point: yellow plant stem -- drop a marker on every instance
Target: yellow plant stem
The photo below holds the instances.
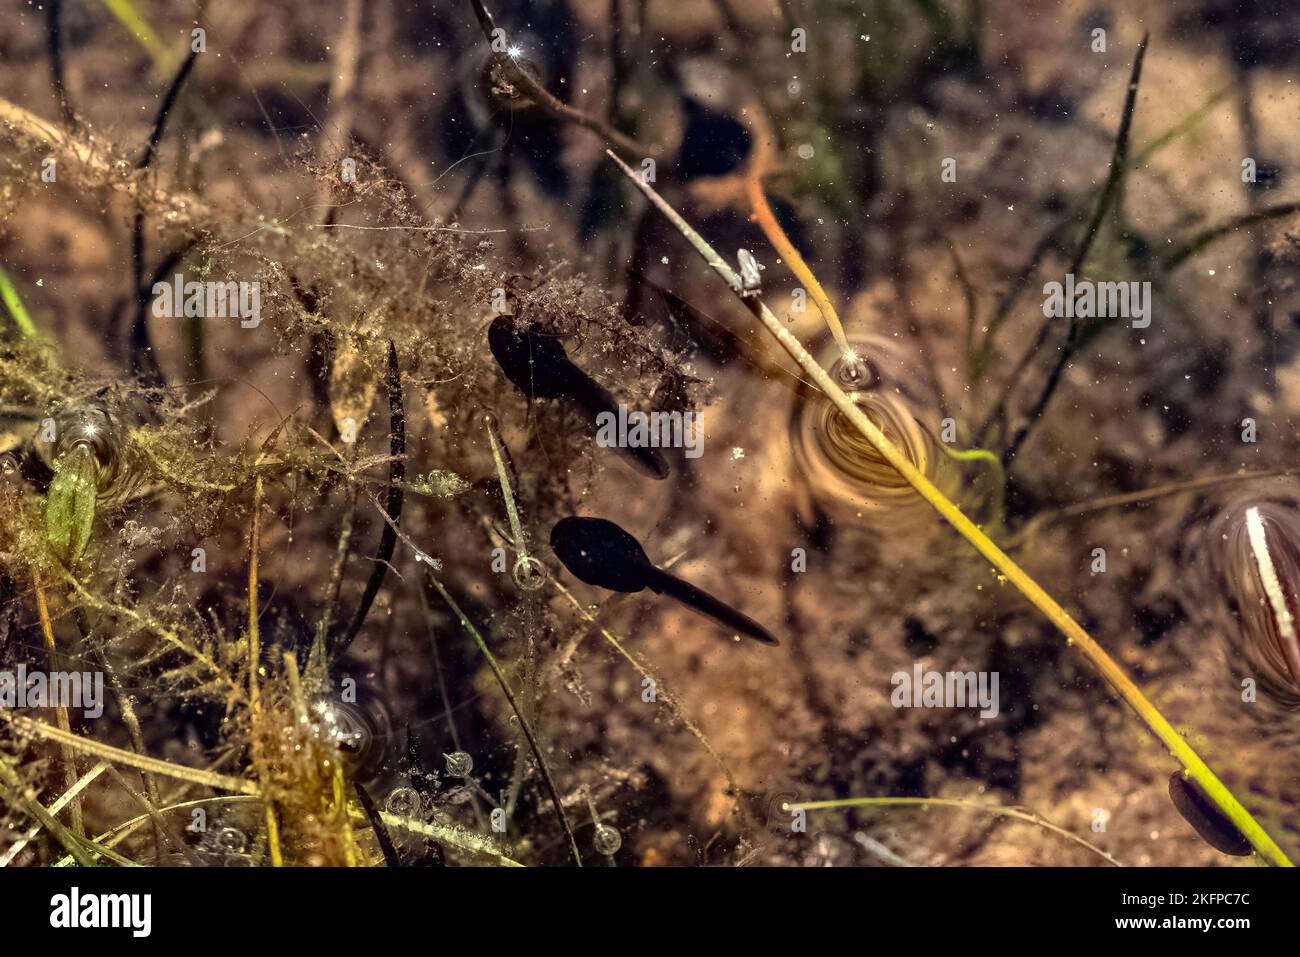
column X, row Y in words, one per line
column 766, row 220
column 107, row 752
column 61, row 715
column 1195, row 768
column 254, row 656
column 254, row 635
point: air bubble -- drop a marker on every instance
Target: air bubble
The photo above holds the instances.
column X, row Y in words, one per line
column 529, row 573
column 459, row 764
column 404, row 802
column 232, row 840
column 607, row 840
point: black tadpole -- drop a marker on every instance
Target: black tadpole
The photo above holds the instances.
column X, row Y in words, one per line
column 541, row 369
column 601, row 553
column 1214, row 827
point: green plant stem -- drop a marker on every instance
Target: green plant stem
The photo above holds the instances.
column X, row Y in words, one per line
column 14, row 303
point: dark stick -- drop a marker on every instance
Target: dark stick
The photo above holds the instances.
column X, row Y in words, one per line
column 393, row 508
column 377, row 824
column 543, row 97
column 160, row 121
column 1108, row 195
column 54, row 34
column 144, row 364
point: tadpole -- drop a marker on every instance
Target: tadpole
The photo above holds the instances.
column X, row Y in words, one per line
column 1209, row 822
column 600, row 553
column 540, row 368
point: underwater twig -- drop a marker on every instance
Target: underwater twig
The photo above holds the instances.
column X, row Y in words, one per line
column 529, row 573
column 1109, row 193
column 1040, row 599
column 393, row 507
column 999, row 810
column 524, row 724
column 459, row 837
column 126, row 707
column 543, row 97
column 120, row 832
column 443, row 694
column 335, row 587
column 336, row 131
column 974, row 364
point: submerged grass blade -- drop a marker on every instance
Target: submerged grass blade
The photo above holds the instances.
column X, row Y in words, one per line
column 14, row 303
column 107, row 752
column 998, row 810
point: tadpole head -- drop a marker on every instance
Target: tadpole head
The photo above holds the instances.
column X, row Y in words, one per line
column 536, row 364
column 600, row 553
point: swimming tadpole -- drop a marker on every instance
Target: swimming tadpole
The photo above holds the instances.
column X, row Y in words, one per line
column 539, row 367
column 1206, row 819
column 600, row 553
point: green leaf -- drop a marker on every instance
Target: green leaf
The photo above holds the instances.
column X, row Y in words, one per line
column 70, row 505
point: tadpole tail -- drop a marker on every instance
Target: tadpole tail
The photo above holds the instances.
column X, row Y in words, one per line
column 595, row 399
column 660, row 581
